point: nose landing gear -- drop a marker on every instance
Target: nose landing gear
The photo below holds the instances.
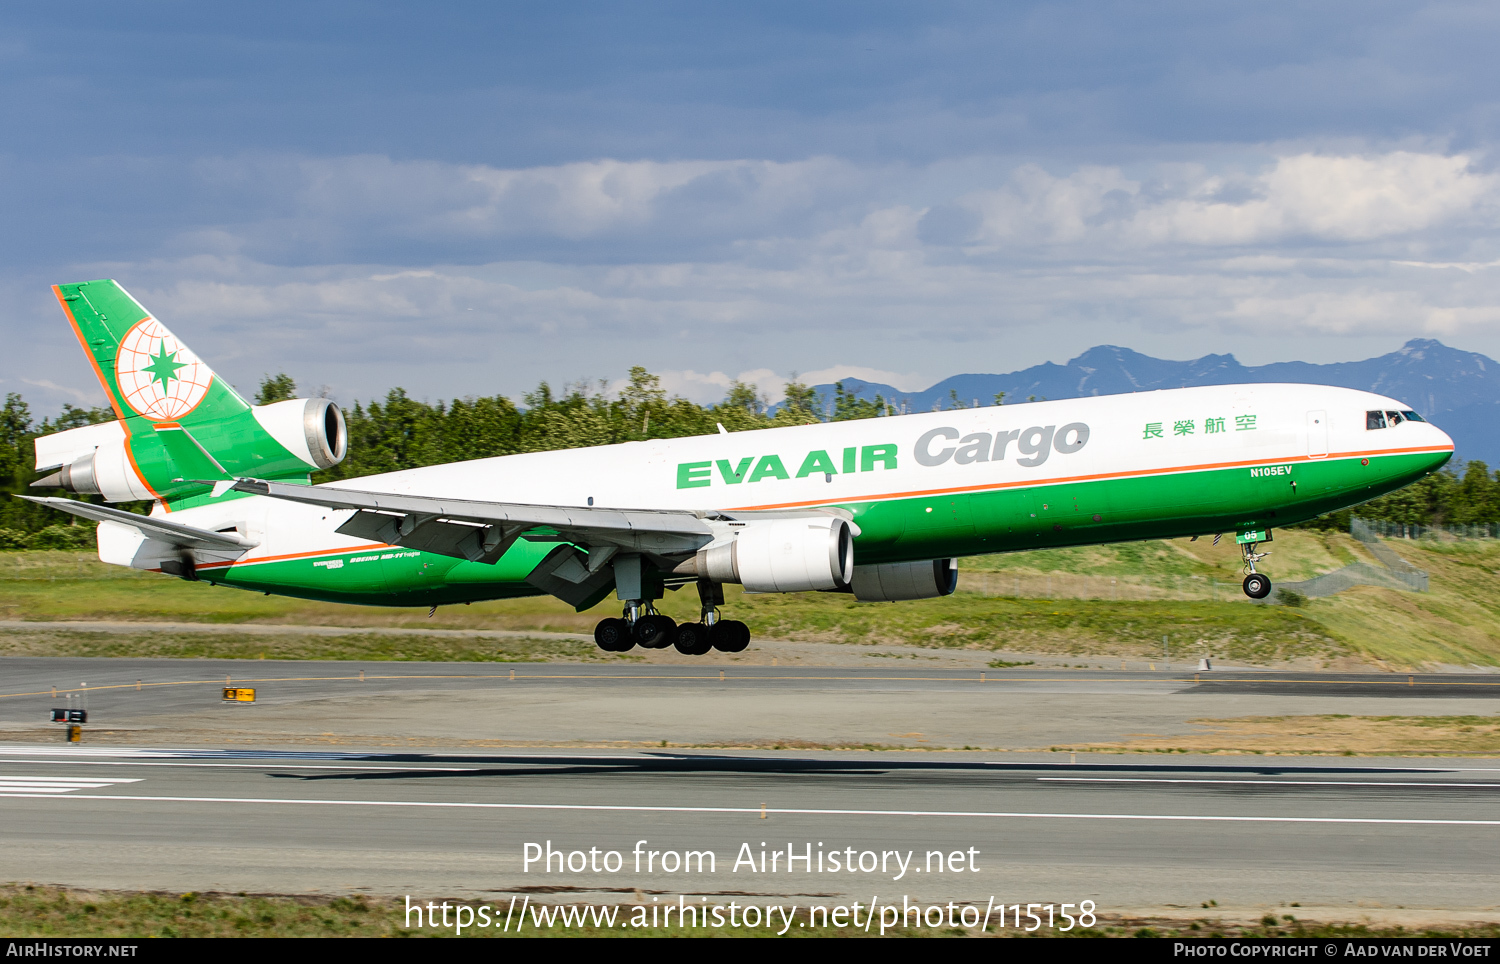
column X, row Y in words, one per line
column 1257, row 585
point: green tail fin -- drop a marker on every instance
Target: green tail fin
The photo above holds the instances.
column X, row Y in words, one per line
column 182, row 421
column 148, row 373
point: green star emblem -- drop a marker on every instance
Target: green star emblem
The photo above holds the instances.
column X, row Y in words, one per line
column 163, row 367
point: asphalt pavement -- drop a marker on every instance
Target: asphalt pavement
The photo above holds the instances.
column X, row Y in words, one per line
column 440, row 780
column 1132, row 834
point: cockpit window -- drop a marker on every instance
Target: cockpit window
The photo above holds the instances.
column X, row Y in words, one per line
column 1393, row 419
column 1412, row 417
column 1374, row 420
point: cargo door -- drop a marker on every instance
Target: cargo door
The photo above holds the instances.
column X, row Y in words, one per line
column 1007, row 518
column 940, row 515
column 941, row 525
column 1317, row 435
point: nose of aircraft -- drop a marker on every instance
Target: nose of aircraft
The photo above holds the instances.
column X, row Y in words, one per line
column 1440, row 458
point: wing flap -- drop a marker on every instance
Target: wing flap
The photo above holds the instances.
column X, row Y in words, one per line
column 482, row 531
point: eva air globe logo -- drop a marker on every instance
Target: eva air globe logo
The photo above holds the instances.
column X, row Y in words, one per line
column 158, row 376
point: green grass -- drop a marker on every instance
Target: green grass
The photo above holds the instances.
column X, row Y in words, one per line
column 1332, row 734
column 362, row 646
column 964, row 621
column 1458, row 622
column 29, row 911
column 76, row 585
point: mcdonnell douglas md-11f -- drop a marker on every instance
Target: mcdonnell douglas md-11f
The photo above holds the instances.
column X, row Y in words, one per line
column 880, row 508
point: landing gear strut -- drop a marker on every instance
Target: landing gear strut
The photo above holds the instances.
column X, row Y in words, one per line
column 641, row 625
column 1257, row 585
column 711, row 632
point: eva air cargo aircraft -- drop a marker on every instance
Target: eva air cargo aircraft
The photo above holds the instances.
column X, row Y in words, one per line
column 880, row 508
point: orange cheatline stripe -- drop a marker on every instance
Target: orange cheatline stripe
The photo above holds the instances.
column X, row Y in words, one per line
column 993, row 487
column 113, row 402
column 89, row 354
column 918, row 493
column 299, row 555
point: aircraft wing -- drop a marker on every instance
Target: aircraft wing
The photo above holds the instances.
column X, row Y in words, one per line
column 483, row 531
column 163, row 530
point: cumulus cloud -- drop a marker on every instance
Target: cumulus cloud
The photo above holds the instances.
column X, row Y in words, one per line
column 1303, row 196
column 338, row 206
column 822, row 266
column 1327, row 198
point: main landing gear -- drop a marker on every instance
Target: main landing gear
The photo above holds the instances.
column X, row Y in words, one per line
column 641, row 625
column 1257, row 585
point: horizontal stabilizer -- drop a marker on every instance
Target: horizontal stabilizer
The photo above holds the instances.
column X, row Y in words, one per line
column 58, row 449
column 189, row 537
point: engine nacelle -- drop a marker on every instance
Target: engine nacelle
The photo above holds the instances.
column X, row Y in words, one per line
column 898, row 581
column 312, row 429
column 105, row 471
column 800, row 554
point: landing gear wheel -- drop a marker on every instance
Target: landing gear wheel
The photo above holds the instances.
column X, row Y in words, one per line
column 613, row 636
column 655, row 632
column 693, row 639
column 1257, row 586
column 730, row 636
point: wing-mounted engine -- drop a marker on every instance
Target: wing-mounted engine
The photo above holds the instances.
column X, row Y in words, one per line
column 800, row 553
column 900, row 581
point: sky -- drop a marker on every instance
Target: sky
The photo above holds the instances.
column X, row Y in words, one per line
column 471, row 198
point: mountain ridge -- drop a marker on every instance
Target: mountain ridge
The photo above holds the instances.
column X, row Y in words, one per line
column 1457, row 390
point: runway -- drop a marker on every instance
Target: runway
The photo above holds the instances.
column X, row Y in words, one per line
column 1125, row 833
column 358, row 705
column 433, row 779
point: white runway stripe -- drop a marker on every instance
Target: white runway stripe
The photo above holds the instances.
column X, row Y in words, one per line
column 241, row 766
column 10, row 785
column 1267, row 783
column 994, row 814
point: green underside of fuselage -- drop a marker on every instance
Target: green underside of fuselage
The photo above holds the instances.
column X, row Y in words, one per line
column 960, row 524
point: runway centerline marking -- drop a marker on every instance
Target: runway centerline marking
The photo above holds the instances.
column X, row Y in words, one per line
column 1269, row 783
column 787, row 811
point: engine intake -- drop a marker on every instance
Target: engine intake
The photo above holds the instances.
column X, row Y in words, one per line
column 782, row 555
column 898, row 581
column 312, row 429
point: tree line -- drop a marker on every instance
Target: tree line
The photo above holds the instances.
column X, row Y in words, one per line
column 401, row 432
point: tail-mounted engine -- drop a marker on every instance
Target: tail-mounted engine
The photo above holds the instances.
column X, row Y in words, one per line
column 312, row 429
column 104, row 471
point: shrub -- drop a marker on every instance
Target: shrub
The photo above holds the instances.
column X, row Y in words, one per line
column 62, row 537
column 1290, row 597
